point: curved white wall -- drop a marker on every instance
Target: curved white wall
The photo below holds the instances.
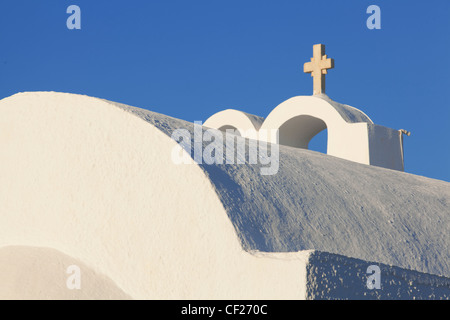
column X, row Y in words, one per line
column 234, row 119
column 42, row 273
column 96, row 183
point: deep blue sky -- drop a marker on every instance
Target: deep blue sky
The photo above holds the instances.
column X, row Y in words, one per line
column 190, row 59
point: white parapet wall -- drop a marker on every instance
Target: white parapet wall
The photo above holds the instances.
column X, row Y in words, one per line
column 385, row 145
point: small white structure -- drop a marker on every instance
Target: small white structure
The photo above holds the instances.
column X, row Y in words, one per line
column 351, row 133
column 236, row 120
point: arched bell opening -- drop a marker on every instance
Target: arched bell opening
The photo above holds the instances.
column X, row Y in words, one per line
column 300, row 130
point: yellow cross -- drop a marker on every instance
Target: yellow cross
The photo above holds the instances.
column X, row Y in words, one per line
column 318, row 67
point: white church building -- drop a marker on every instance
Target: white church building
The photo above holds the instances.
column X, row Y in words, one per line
column 92, row 205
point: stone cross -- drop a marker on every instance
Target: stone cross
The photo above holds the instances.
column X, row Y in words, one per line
column 318, row 67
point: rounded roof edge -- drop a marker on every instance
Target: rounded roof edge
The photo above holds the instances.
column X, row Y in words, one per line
column 348, row 113
column 235, row 118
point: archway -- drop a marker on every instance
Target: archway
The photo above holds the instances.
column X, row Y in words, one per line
column 298, row 131
column 319, row 142
column 229, row 127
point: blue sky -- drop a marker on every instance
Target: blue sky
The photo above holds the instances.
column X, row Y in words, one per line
column 190, row 59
